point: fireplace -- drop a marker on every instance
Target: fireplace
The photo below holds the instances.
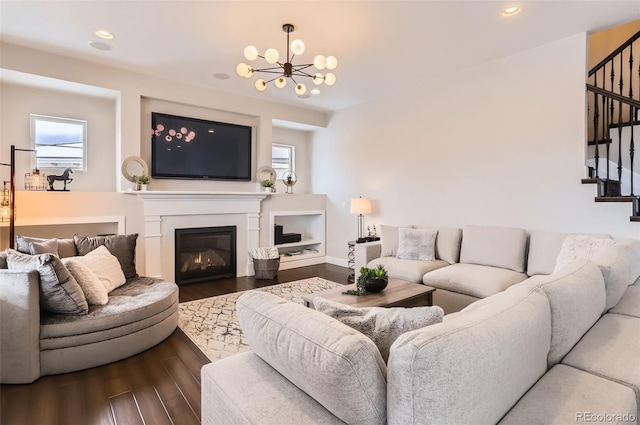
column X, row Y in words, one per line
column 205, row 253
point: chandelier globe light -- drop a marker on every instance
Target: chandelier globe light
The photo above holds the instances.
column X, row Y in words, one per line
column 286, row 69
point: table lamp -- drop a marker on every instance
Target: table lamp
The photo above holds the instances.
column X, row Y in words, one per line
column 361, row 206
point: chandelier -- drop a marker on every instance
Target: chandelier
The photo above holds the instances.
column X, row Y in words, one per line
column 287, row 69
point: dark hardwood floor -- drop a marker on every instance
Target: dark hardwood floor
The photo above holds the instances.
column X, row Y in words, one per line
column 158, row 386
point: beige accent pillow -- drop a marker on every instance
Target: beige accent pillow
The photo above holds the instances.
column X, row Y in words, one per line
column 382, row 325
column 580, row 247
column 417, row 244
column 93, row 288
column 105, row 266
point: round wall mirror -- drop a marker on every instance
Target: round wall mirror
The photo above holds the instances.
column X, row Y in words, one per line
column 266, row 173
column 134, row 166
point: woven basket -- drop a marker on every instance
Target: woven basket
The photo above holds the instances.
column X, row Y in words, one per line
column 266, row 268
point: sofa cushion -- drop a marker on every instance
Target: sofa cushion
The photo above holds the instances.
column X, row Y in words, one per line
column 389, row 240
column 579, row 247
column 66, row 246
column 417, row 244
column 565, row 395
column 140, row 298
column 59, row 291
column 123, row 247
column 629, row 304
column 473, row 367
column 544, row 248
column 244, row 390
column 502, row 247
column 47, row 247
column 577, row 296
column 333, row 363
column 93, row 289
column 632, row 248
column 610, row 349
column 382, row 325
column 411, row 270
column 105, row 266
column 471, row 279
column 615, row 266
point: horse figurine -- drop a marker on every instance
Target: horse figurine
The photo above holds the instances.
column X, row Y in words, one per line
column 62, row 177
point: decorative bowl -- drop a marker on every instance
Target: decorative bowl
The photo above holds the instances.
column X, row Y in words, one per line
column 375, row 285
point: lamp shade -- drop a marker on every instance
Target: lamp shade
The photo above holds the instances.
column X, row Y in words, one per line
column 361, row 206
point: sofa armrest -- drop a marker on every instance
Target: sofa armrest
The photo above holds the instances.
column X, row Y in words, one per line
column 366, row 252
column 19, row 327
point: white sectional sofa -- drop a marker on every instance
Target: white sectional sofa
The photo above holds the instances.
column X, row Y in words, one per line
column 548, row 350
column 479, row 261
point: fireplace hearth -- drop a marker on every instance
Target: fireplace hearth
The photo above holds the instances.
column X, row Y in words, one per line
column 205, row 253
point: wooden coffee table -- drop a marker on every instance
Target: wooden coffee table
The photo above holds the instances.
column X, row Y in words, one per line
column 398, row 293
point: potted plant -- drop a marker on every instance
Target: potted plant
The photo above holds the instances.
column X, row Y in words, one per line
column 267, row 185
column 141, row 182
column 370, row 280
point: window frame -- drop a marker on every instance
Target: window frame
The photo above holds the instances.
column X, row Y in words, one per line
column 292, row 159
column 34, row 118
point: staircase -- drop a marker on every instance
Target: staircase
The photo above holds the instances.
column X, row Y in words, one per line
column 613, row 99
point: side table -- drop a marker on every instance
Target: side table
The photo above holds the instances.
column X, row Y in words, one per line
column 351, row 261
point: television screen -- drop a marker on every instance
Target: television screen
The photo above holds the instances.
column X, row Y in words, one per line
column 191, row 148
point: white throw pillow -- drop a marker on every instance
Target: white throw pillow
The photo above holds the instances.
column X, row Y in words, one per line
column 94, row 290
column 104, row 265
column 382, row 325
column 580, row 247
column 417, row 244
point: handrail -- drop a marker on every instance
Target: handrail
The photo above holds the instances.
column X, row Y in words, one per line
column 613, row 95
column 614, row 53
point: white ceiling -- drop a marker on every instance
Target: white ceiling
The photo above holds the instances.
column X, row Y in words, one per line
column 382, row 46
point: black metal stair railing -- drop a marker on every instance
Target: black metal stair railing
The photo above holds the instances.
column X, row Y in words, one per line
column 613, row 89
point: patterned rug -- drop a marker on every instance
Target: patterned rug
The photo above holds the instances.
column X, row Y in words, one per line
column 212, row 323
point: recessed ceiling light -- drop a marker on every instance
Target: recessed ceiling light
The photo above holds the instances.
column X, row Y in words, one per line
column 104, row 34
column 315, row 91
column 100, row 45
column 510, row 11
column 221, row 76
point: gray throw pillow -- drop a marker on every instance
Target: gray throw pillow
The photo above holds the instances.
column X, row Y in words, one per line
column 382, row 325
column 417, row 244
column 59, row 291
column 66, row 246
column 3, row 259
column 123, row 247
column 47, row 247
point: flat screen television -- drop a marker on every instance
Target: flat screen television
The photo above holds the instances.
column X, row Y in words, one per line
column 191, row 148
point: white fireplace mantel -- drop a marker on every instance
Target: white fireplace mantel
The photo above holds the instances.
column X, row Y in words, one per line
column 164, row 211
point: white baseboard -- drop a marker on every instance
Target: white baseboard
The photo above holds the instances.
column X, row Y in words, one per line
column 337, row 261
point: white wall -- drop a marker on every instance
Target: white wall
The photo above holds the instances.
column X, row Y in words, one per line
column 301, row 140
column 133, row 95
column 18, row 102
column 500, row 144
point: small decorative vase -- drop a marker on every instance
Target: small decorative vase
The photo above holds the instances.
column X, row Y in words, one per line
column 266, row 189
column 375, row 285
column 143, row 187
column 136, row 186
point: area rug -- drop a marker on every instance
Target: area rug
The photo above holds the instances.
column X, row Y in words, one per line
column 212, row 323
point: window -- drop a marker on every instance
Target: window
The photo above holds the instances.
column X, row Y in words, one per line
column 59, row 142
column 283, row 158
